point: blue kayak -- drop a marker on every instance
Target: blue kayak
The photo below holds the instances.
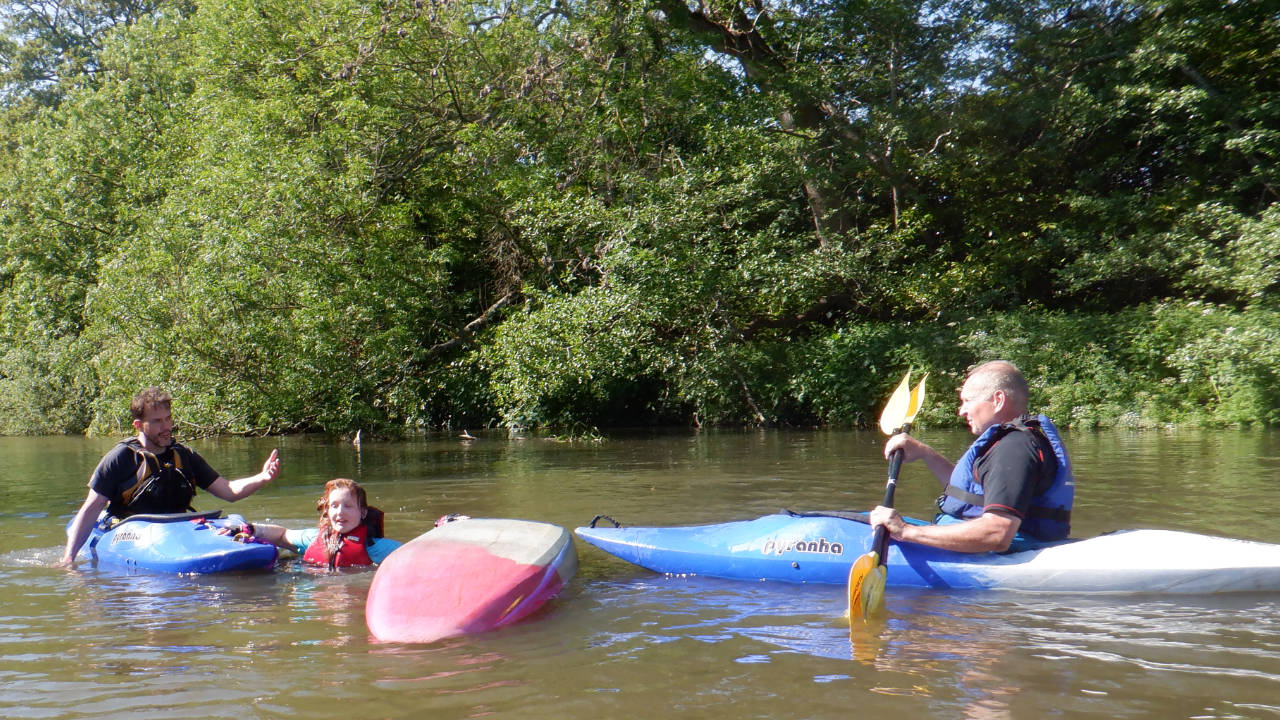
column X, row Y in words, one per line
column 177, row 543
column 820, row 548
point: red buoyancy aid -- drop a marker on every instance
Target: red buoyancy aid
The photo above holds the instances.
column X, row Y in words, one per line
column 353, row 550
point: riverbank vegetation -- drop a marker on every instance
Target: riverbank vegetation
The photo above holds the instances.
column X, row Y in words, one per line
column 347, row 214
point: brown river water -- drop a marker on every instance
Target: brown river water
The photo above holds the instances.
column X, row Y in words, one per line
column 622, row 642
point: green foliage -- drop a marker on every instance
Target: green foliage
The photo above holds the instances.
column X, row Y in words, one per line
column 75, row 184
column 338, row 216
column 1231, row 364
column 849, row 373
column 286, row 290
column 571, row 360
column 45, row 387
column 1158, row 364
column 48, row 47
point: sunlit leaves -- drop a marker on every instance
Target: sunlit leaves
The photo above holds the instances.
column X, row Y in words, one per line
column 336, row 215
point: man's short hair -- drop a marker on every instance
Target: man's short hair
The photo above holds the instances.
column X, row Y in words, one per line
column 148, row 398
column 1000, row 375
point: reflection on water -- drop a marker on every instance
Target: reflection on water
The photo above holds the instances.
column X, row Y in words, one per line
column 621, row 641
column 988, row 654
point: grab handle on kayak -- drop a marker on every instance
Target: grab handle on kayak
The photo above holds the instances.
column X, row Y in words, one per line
column 597, row 518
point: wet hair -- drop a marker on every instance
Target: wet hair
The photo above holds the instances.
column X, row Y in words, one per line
column 373, row 516
column 322, row 505
column 148, row 398
column 1000, row 376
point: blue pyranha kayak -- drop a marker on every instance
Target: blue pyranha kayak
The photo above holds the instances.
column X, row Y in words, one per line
column 820, row 547
column 177, row 543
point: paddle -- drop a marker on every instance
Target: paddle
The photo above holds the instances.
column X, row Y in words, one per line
column 866, row 577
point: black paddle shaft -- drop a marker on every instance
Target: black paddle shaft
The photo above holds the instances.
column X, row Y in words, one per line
column 895, row 464
column 881, row 540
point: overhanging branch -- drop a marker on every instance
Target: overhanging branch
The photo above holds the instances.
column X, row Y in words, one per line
column 469, row 330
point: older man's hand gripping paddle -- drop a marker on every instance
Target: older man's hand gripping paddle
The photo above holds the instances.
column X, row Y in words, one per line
column 866, row 577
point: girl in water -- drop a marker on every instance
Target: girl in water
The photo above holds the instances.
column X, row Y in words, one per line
column 349, row 533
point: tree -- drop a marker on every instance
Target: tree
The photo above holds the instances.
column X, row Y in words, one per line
column 49, row 46
column 344, row 216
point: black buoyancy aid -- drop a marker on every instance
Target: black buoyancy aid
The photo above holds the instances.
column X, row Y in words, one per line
column 162, row 485
column 1049, row 517
column 352, row 547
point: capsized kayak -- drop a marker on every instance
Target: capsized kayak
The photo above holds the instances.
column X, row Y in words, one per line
column 177, row 543
column 468, row 576
column 820, row 547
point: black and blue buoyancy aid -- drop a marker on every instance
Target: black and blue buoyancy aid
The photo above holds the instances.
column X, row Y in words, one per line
column 1049, row 517
column 162, row 485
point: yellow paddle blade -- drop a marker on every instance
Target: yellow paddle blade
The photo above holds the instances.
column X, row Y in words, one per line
column 902, row 406
column 865, row 566
column 872, row 598
column 895, row 411
column 917, row 399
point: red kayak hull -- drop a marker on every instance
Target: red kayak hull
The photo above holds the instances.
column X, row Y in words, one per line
column 468, row 576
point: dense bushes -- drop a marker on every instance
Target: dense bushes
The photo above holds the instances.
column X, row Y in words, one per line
column 338, row 216
column 1163, row 363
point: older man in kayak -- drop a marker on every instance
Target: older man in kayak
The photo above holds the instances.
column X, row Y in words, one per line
column 151, row 473
column 1013, row 481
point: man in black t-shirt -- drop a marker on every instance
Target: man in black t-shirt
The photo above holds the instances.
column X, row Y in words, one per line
column 168, row 484
column 1017, row 466
column 151, row 473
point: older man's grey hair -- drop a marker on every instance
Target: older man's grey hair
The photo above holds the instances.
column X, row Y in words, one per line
column 1000, row 375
